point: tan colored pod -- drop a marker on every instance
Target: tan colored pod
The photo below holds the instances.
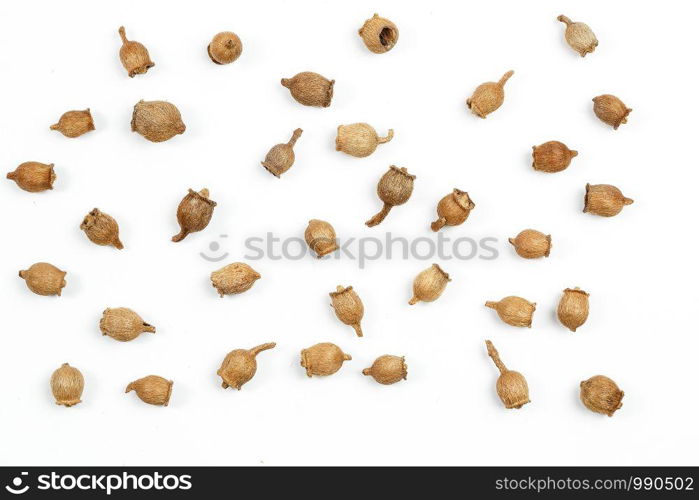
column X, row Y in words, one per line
column 225, row 48
column 101, row 229
column 323, row 359
column 394, row 188
column 134, row 56
column 234, row 278
column 67, row 384
column 123, row 324
column 152, row 389
column 552, row 156
column 310, row 89
column 157, row 121
column 511, row 386
column 33, row 176
column 74, row 123
column 429, row 285
column 514, row 311
column 532, row 244
column 281, row 157
column 579, row 36
column 359, row 139
column 44, row 279
column 604, row 200
column 601, row 395
column 453, row 209
column 573, row 308
column 240, row 365
column 611, row 110
column 348, row 308
column 488, row 96
column 194, row 213
column 320, row 237
column 388, row 369
column 379, row 34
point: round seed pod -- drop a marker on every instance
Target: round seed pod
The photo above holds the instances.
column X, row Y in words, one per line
column 488, row 96
column 240, row 365
column 579, row 36
column 604, row 200
column 601, row 395
column 44, row 279
column 359, row 139
column 33, row 176
column 532, row 244
column 320, row 237
column 74, row 123
column 281, row 157
column 310, row 89
column 157, row 121
column 67, row 384
column 511, row 385
column 394, row 188
column 552, row 156
column 429, row 285
column 323, row 359
column 101, row 229
column 234, row 278
column 348, row 308
column 610, row 110
column 573, row 308
column 134, row 56
column 123, row 324
column 453, row 209
column 225, row 48
column 379, row 35
column 152, row 389
column 388, row 369
column 514, row 311
column 194, row 213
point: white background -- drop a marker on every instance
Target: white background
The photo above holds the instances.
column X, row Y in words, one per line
column 639, row 267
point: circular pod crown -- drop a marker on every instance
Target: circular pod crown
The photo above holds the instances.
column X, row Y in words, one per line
column 320, row 237
column 101, row 229
column 453, row 209
column 281, row 157
column 134, row 56
column 359, row 139
column 610, row 110
column 394, row 188
column 323, row 359
column 123, row 324
column 348, row 308
column 74, row 123
column 511, row 386
column 514, row 311
column 488, row 96
column 67, row 384
column 532, row 244
column 379, row 34
column 604, row 200
column 573, row 308
column 152, row 389
column 157, row 121
column 194, row 213
column 44, row 279
column 388, row 369
column 310, row 89
column 429, row 284
column 33, row 176
column 579, row 36
column 234, row 278
column 552, row 156
column 240, row 365
column 601, row 395
column 225, row 48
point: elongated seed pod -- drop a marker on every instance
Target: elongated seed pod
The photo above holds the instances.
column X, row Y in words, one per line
column 532, row 244
column 511, row 386
column 123, row 324
column 320, row 237
column 323, row 359
column 394, row 188
column 74, row 123
column 604, row 199
column 101, row 229
column 33, row 176
column 67, row 384
column 601, row 395
column 579, row 36
column 453, row 209
column 225, row 48
column 429, row 285
column 573, row 308
column 157, row 121
column 348, row 308
column 234, row 278
column 240, row 365
column 552, row 156
column 194, row 213
column 281, row 157
column 488, row 96
column 44, row 279
column 379, row 34
column 514, row 311
column 152, row 389
column 388, row 369
column 134, row 56
column 359, row 139
column 611, row 110
column 310, row 89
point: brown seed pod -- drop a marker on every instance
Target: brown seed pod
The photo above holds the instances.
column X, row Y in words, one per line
column 67, row 384
column 323, row 359
column 488, row 96
column 74, row 123
column 33, row 176
column 157, row 121
column 310, row 89
column 601, row 395
column 573, row 308
column 225, row 48
column 579, row 36
column 44, row 279
column 514, row 311
column 152, row 389
column 511, row 386
column 388, row 369
column 610, row 110
column 101, row 229
column 379, row 35
column 532, row 244
column 552, row 156
column 234, row 278
column 394, row 188
column 320, row 237
column 240, row 365
column 604, row 200
column 359, row 139
column 429, row 285
column 123, row 324
column 281, row 157
column 453, row 209
column 348, row 308
column 134, row 56
column 194, row 213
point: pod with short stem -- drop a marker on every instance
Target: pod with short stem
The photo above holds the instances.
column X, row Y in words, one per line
column 234, row 279
column 323, row 359
column 348, row 308
column 123, row 324
column 394, row 188
column 310, row 89
column 488, row 96
column 601, row 395
column 388, row 369
column 579, row 36
column 611, row 110
column 74, row 123
column 320, row 237
column 157, row 121
column 225, row 48
column 359, row 139
column 44, row 279
column 511, row 386
column 194, row 213
column 429, row 284
column 514, row 311
column 552, row 156
column 573, row 308
column 379, row 34
column 101, row 229
column 240, row 365
column 33, row 177
column 134, row 56
column 281, row 157
column 453, row 209
column 152, row 389
column 604, row 200
column 67, row 384
column 531, row 244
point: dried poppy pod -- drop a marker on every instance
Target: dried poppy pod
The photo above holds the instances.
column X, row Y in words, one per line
column 514, row 311
column 552, row 156
column 388, row 369
column 394, row 188
column 157, row 121
column 74, row 123
column 234, row 278
column 67, row 384
column 33, row 176
column 511, row 386
column 123, row 324
column 152, row 389
column 532, row 244
column 453, row 209
column 429, row 285
column 601, row 395
column 281, row 157
column 310, row 89
column 348, row 308
column 604, row 200
column 101, row 229
column 488, row 96
column 573, row 308
column 134, row 56
column 194, row 213
column 610, row 110
column 44, row 279
column 225, row 47
column 579, row 36
column 323, row 359
column 379, row 34
column 359, row 139
column 240, row 365
column 320, row 237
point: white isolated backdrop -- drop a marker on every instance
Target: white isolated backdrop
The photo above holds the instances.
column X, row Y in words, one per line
column 639, row 267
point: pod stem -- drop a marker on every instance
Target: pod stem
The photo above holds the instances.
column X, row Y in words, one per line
column 118, row 244
column 286, row 82
column 413, row 301
column 130, row 388
column 492, row 305
column 505, row 77
column 366, row 371
column 378, row 218
column 262, row 347
column 55, row 126
column 564, row 19
column 295, row 137
column 11, row 175
column 180, row 236
column 493, row 353
column 122, row 34
column 358, row 329
column 628, row 201
column 148, row 328
column 389, row 136
column 438, row 224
